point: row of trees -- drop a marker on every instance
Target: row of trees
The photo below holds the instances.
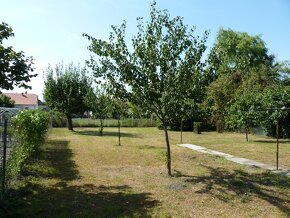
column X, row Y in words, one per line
column 164, row 72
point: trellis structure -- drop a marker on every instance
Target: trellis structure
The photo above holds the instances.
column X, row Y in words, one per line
column 6, row 142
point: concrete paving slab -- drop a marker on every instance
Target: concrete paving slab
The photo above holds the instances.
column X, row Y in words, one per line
column 238, row 160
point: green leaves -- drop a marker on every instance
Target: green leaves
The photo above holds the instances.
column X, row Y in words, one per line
column 246, row 110
column 30, row 131
column 99, row 103
column 240, row 68
column 15, row 68
column 5, row 101
column 66, row 88
column 277, row 97
column 163, row 68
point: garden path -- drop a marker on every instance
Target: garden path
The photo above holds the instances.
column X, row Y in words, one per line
column 238, row 160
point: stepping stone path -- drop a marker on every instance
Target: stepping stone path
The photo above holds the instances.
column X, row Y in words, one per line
column 238, row 160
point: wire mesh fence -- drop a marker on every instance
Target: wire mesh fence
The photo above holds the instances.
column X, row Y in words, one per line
column 7, row 142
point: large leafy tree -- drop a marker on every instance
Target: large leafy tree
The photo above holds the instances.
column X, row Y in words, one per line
column 238, row 52
column 237, row 61
column 65, row 90
column 161, row 71
column 15, row 68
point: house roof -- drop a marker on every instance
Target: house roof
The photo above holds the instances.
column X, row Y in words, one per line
column 23, row 98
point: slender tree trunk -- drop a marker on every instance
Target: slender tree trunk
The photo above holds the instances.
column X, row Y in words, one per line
column 277, row 144
column 101, row 127
column 247, row 136
column 181, row 132
column 69, row 122
column 119, row 131
column 168, row 160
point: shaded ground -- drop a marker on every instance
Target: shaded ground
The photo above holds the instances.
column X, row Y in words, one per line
column 60, row 199
column 106, row 133
column 79, row 175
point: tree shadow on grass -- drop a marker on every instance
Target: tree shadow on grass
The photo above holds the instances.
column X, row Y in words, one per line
column 79, row 201
column 107, row 133
column 229, row 186
column 37, row 196
column 150, row 147
column 272, row 141
column 54, row 160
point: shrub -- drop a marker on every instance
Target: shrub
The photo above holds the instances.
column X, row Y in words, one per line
column 128, row 122
column 197, row 127
column 30, row 128
column 58, row 119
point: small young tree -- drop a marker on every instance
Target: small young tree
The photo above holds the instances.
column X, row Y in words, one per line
column 277, row 97
column 100, row 104
column 65, row 90
column 118, row 109
column 246, row 111
column 164, row 67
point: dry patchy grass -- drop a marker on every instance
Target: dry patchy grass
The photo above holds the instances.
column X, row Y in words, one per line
column 82, row 174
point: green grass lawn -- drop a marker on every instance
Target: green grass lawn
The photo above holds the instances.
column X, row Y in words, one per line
column 82, row 174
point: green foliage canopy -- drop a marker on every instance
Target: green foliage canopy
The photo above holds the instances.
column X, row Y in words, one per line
column 15, row 68
column 30, row 131
column 6, row 101
column 65, row 90
column 162, row 73
column 238, row 62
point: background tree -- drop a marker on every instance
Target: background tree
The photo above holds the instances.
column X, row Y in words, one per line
column 277, row 97
column 237, row 62
column 100, row 104
column 163, row 68
column 6, row 101
column 65, row 90
column 246, row 110
column 238, row 52
column 15, row 68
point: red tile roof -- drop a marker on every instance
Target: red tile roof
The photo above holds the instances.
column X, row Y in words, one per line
column 23, row 99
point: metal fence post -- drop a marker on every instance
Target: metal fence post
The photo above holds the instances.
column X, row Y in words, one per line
column 4, row 156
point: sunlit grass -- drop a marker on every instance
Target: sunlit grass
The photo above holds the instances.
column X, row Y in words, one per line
column 82, row 174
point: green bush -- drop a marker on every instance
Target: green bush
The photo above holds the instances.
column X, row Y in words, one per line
column 30, row 128
column 58, row 119
column 129, row 122
column 197, row 127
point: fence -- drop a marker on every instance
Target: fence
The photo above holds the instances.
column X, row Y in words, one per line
column 6, row 143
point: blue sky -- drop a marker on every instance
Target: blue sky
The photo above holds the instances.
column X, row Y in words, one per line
column 51, row 31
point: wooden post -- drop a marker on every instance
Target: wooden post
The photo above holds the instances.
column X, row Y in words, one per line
column 119, row 131
column 181, row 132
column 277, row 141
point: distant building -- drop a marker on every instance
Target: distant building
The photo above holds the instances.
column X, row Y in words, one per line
column 24, row 100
